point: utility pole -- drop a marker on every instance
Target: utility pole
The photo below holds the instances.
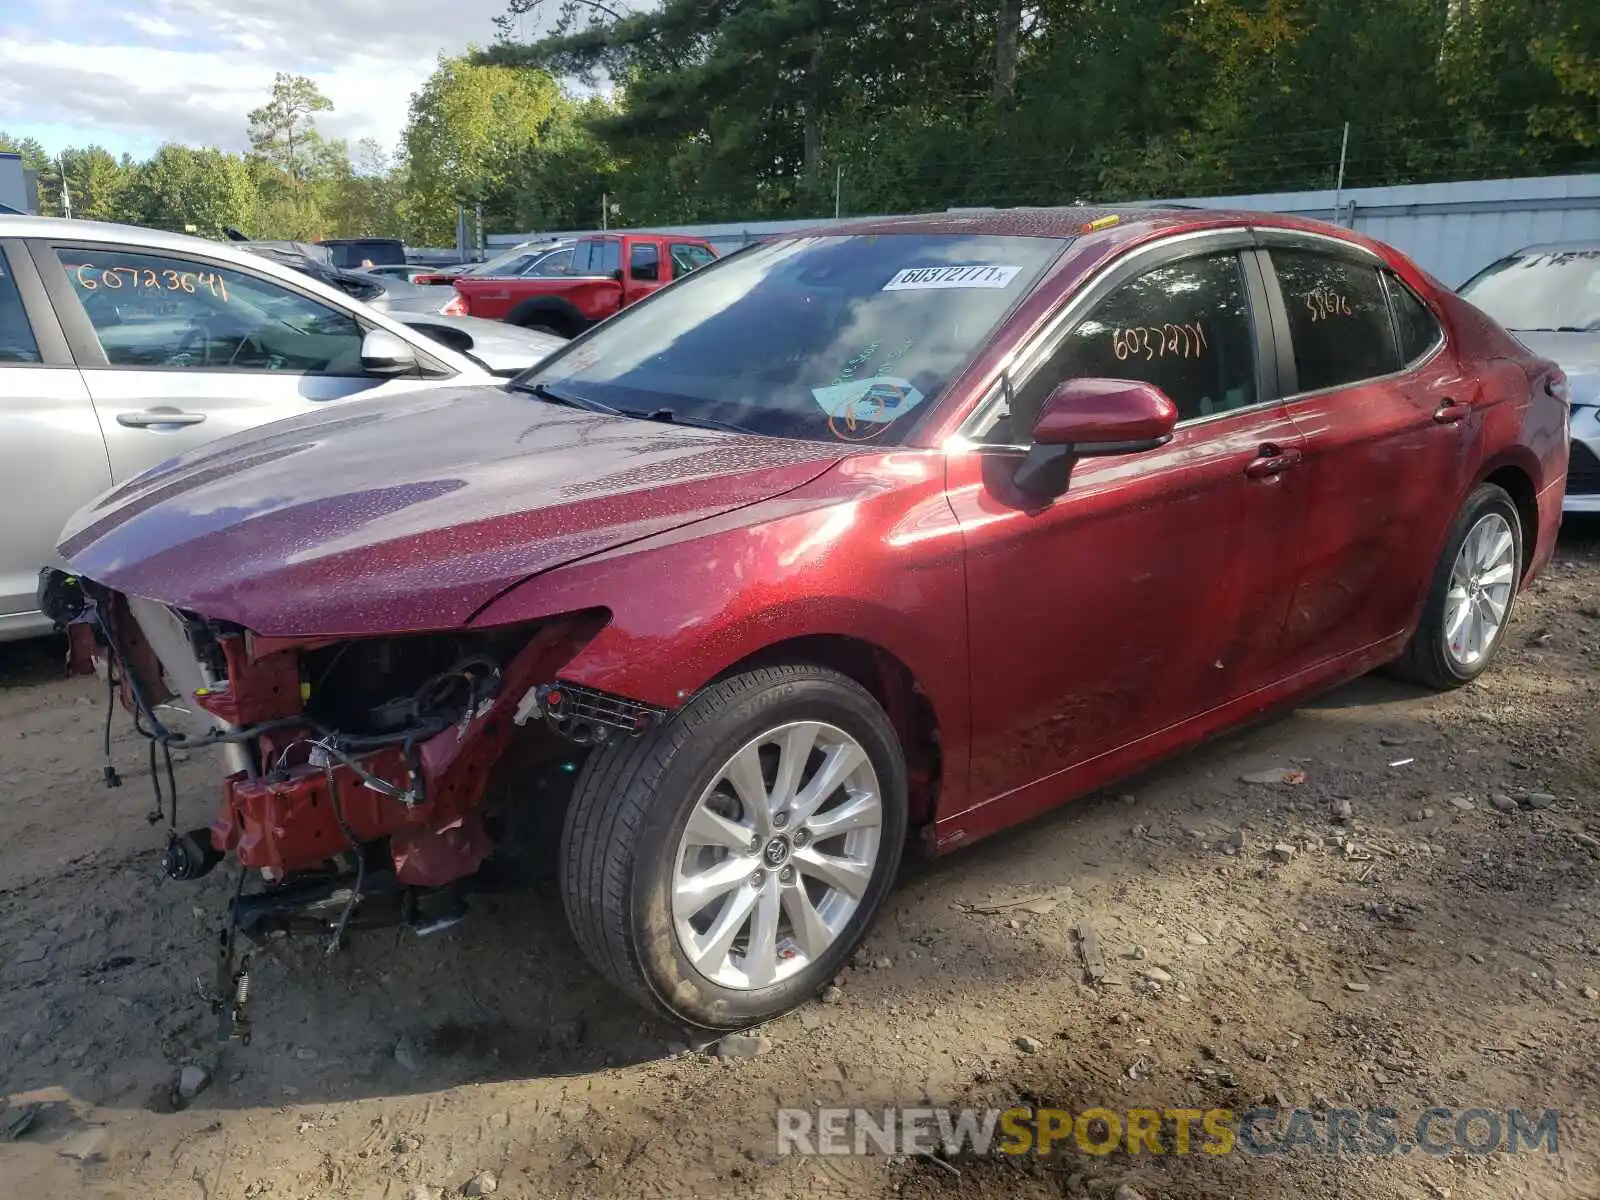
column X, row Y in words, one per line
column 603, row 206
column 66, row 196
column 838, row 182
column 1338, row 186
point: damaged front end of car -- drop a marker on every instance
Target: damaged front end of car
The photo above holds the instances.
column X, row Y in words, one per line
column 361, row 779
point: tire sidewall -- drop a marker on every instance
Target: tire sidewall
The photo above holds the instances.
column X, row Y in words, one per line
column 1485, row 499
column 666, row 969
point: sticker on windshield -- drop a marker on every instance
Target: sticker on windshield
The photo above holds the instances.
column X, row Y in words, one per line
column 864, row 408
column 914, row 279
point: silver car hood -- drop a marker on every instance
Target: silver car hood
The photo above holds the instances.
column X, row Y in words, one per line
column 503, row 349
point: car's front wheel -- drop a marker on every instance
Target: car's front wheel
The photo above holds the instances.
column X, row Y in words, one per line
column 721, row 868
column 1470, row 599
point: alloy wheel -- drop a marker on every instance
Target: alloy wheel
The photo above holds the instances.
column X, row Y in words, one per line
column 1481, row 583
column 777, row 855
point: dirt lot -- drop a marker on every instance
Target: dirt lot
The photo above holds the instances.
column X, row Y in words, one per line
column 1450, row 956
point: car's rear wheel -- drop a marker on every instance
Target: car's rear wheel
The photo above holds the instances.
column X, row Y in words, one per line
column 1472, row 594
column 721, row 868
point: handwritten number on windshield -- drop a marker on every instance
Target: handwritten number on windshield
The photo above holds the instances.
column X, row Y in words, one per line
column 92, row 279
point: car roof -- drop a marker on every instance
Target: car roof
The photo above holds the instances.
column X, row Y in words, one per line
column 239, row 254
column 59, row 227
column 1123, row 222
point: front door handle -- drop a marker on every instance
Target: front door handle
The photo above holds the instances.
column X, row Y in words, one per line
column 159, row 416
column 1272, row 461
column 1449, row 412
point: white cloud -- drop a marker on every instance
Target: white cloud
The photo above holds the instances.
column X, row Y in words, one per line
column 190, row 70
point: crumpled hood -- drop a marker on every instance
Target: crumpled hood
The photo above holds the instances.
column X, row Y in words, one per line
column 389, row 515
column 1577, row 354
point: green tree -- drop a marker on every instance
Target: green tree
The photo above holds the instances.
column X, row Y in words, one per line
column 198, row 191
column 97, row 183
column 471, row 130
column 283, row 131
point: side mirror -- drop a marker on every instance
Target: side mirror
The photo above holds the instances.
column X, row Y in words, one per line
column 1084, row 417
column 384, row 353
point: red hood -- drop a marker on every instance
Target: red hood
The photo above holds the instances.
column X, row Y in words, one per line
column 386, row 516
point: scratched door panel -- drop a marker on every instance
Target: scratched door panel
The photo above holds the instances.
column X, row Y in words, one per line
column 1381, row 471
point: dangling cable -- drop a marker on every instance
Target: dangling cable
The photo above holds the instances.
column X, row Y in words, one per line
column 355, row 846
column 109, row 771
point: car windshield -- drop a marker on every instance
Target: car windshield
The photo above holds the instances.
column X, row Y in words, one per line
column 833, row 338
column 1545, row 290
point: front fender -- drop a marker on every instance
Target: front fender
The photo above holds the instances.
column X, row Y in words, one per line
column 870, row 550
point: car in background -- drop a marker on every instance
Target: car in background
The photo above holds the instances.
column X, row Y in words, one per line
column 355, row 253
column 407, row 272
column 1549, row 296
column 122, row 347
column 607, row 273
column 896, row 532
column 528, row 258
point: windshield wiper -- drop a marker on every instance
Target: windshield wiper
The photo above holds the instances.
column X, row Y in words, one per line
column 545, row 392
column 670, row 417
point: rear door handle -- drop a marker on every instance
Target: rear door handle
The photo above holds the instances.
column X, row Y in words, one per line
column 1449, row 412
column 1272, row 461
column 159, row 416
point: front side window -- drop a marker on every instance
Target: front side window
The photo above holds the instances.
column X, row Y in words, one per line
column 1542, row 291
column 151, row 310
column 836, row 338
column 600, row 256
column 1338, row 319
column 1184, row 327
column 17, row 344
column 644, row 262
column 686, row 257
column 1416, row 326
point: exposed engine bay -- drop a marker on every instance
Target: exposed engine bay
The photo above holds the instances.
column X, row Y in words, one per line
column 361, row 782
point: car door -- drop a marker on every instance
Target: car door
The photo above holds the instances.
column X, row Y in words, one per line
column 52, row 457
column 1154, row 587
column 1386, row 445
column 646, row 273
column 178, row 350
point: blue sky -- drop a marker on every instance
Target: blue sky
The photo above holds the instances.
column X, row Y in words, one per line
column 131, row 76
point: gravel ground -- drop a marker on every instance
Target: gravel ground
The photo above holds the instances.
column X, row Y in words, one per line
column 1414, row 925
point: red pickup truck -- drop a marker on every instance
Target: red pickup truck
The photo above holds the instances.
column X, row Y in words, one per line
column 609, row 272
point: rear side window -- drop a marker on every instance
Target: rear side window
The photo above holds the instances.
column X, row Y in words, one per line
column 1338, row 319
column 644, row 261
column 597, row 257
column 1414, row 324
column 17, row 344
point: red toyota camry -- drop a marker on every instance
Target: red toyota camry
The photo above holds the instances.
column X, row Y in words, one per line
column 903, row 529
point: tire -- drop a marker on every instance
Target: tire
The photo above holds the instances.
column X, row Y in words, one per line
column 1428, row 658
column 624, row 845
